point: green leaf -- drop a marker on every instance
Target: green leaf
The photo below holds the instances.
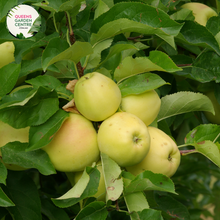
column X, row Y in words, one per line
column 87, row 186
column 149, row 214
column 94, row 211
column 4, row 200
column 51, row 211
column 58, row 5
column 15, row 153
column 135, row 17
column 58, row 49
column 113, row 181
column 41, row 135
column 8, row 77
column 150, row 181
column 136, row 202
column 95, row 57
column 3, row 172
column 101, row 8
column 5, row 6
column 203, row 132
column 30, row 66
column 210, row 150
column 195, row 34
column 171, row 207
column 140, row 83
column 50, row 82
column 37, row 108
column 183, row 102
column 157, row 61
column 20, row 185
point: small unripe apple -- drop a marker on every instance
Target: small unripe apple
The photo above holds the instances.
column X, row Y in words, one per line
column 96, row 96
column 6, row 53
column 201, row 12
column 146, row 105
column 101, row 194
column 124, row 138
column 74, row 146
column 215, row 119
column 163, row 156
column 10, row 134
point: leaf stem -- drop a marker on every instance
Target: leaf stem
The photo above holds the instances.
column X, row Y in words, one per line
column 184, row 145
column 54, row 22
column 216, row 138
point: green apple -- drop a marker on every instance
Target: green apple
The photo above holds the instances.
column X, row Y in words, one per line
column 201, row 12
column 96, row 96
column 10, row 134
column 74, row 146
column 145, row 105
column 6, row 53
column 101, row 194
column 163, row 156
column 215, row 119
column 124, row 138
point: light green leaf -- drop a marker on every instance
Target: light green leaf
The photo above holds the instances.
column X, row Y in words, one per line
column 140, row 83
column 101, row 8
column 58, row 49
column 122, row 25
column 157, row 61
column 95, row 57
column 113, row 181
column 183, row 102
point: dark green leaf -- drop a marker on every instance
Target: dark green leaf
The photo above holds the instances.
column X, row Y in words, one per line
column 34, row 110
column 19, row 185
column 4, row 200
column 15, row 153
column 41, row 135
column 8, row 77
column 3, row 172
column 94, row 211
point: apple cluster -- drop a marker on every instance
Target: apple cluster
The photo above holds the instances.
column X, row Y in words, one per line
column 125, row 132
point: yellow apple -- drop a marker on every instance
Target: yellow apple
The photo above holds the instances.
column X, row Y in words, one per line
column 201, row 12
column 215, row 119
column 10, row 134
column 145, row 105
column 163, row 156
column 74, row 146
column 101, row 194
column 124, row 138
column 6, row 53
column 96, row 96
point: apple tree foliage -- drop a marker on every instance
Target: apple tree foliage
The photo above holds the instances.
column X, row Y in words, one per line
column 142, row 45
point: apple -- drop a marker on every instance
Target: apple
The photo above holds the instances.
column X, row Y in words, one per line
column 101, row 194
column 145, row 105
column 201, row 12
column 124, row 138
column 215, row 119
column 10, row 134
column 6, row 53
column 163, row 156
column 96, row 96
column 74, row 146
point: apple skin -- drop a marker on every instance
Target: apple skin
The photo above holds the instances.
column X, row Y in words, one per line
column 10, row 134
column 163, row 157
column 74, row 146
column 124, row 138
column 101, row 194
column 96, row 96
column 201, row 12
column 146, row 106
column 6, row 53
column 215, row 119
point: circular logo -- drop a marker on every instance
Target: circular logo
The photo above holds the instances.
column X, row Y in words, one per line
column 23, row 21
